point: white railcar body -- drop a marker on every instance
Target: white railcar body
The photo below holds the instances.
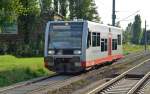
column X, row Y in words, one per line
column 74, row 46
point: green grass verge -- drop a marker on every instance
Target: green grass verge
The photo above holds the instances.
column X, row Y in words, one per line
column 13, row 70
column 131, row 48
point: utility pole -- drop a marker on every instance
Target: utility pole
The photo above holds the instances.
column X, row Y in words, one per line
column 113, row 13
column 145, row 37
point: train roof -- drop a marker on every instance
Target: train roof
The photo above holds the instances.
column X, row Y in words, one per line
column 89, row 22
column 94, row 23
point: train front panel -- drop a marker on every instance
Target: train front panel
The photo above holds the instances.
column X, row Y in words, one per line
column 64, row 46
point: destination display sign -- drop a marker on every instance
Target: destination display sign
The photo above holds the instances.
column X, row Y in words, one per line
column 61, row 27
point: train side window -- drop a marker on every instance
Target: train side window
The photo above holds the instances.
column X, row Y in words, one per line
column 105, row 45
column 94, row 39
column 119, row 39
column 98, row 39
column 102, row 45
column 114, row 44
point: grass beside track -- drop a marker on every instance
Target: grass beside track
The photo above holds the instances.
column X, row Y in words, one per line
column 131, row 48
column 13, row 70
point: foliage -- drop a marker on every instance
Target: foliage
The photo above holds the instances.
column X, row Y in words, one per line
column 45, row 4
column 47, row 11
column 56, row 4
column 23, row 11
column 136, row 30
column 83, row 9
column 27, row 20
column 148, row 36
column 29, row 13
column 127, row 34
column 22, row 50
column 6, row 11
column 63, row 8
column 11, row 9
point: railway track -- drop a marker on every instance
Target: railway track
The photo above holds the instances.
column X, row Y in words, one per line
column 126, row 86
column 125, row 83
column 145, row 88
column 51, row 83
column 29, row 86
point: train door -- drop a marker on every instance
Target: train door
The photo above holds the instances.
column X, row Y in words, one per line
column 109, row 42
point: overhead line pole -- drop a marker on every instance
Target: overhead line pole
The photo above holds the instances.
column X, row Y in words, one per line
column 113, row 13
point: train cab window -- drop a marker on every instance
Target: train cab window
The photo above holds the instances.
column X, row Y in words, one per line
column 114, row 44
column 119, row 39
column 95, row 39
column 103, row 45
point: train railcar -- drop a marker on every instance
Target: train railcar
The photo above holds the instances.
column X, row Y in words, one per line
column 74, row 46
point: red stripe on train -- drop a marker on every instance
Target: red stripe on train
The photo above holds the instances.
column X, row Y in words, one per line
column 101, row 60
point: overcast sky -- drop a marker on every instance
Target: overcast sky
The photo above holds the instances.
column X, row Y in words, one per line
column 124, row 8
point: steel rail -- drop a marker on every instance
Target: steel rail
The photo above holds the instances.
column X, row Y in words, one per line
column 21, row 84
column 134, row 89
column 109, row 83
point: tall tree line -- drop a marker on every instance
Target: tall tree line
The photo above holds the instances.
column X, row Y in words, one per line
column 81, row 9
column 69, row 9
column 27, row 13
column 133, row 32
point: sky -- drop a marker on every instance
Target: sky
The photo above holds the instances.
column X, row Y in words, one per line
column 125, row 11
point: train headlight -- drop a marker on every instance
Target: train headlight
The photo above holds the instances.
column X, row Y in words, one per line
column 51, row 52
column 77, row 64
column 77, row 52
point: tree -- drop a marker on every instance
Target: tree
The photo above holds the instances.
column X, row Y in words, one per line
column 83, row 9
column 69, row 9
column 23, row 12
column 127, row 33
column 72, row 10
column 142, row 41
column 5, row 9
column 92, row 12
column 27, row 13
column 45, row 4
column 63, row 8
column 56, row 4
column 10, row 10
column 27, row 20
column 136, row 30
column 47, row 11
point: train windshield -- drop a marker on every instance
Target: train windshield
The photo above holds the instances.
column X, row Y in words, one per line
column 65, row 35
